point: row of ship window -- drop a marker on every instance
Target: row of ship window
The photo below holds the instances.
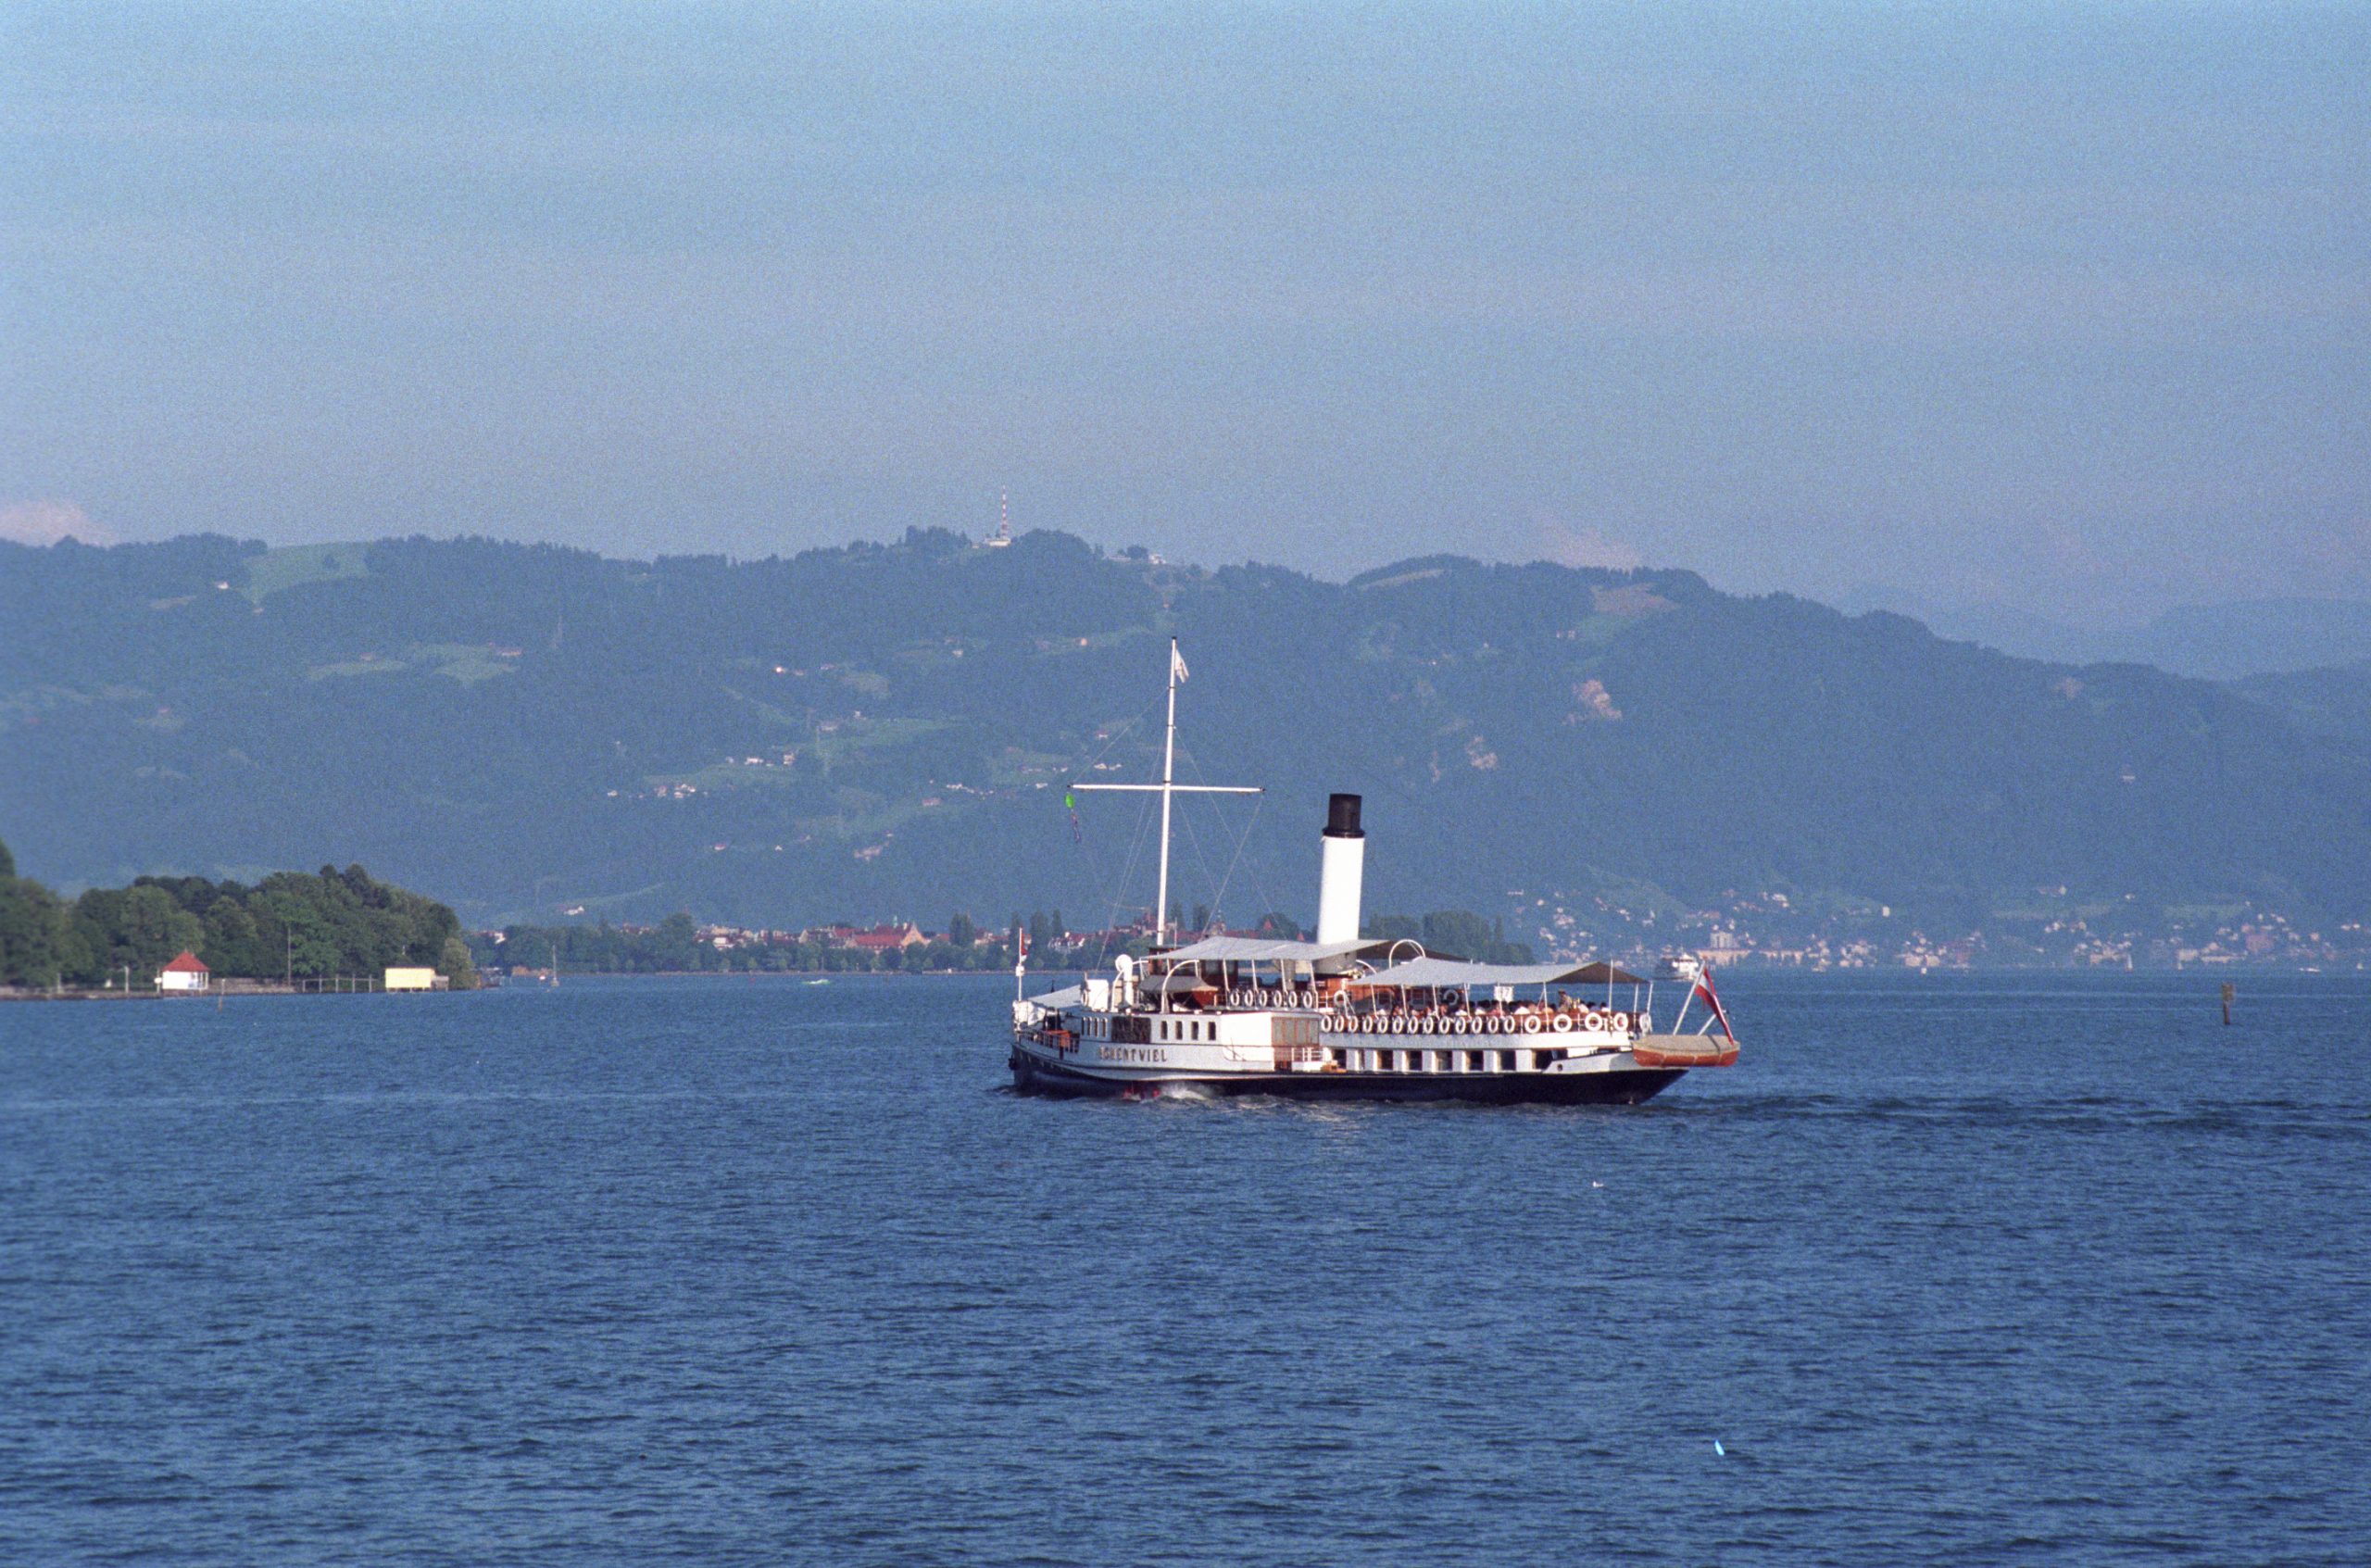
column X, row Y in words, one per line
column 1361, row 1061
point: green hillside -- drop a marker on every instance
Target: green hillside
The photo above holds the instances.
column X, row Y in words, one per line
column 886, row 729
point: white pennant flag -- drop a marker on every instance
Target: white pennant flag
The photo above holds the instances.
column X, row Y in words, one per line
column 1176, row 665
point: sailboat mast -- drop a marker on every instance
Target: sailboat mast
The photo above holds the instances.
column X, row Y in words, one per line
column 1168, row 794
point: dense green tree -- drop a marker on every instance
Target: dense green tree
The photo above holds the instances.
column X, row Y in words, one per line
column 232, row 946
column 135, row 932
column 455, row 963
column 677, row 943
column 32, row 933
column 92, row 922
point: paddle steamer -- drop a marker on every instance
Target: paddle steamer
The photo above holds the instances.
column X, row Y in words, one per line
column 1345, row 1017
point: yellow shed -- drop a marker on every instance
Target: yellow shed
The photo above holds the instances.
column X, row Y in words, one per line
column 411, row 980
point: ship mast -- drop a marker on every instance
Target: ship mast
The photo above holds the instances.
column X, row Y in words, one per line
column 1169, row 789
column 1168, row 796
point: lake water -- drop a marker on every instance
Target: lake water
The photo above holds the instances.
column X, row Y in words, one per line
column 2049, row 1270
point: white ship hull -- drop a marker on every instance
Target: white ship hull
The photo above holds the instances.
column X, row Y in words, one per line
column 1296, row 1057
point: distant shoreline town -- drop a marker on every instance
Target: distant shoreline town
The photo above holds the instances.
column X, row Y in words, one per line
column 680, row 944
column 2051, row 928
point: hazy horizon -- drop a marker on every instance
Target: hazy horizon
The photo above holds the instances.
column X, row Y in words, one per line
column 2067, row 310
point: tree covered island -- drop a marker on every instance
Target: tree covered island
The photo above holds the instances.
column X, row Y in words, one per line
column 290, row 926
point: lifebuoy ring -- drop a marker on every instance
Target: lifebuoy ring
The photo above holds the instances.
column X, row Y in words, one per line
column 1594, row 1022
column 1618, row 1022
column 1563, row 1024
column 1531, row 1023
column 1645, row 1025
column 1398, row 1024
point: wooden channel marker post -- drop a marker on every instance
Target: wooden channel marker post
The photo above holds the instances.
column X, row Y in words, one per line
column 2229, row 991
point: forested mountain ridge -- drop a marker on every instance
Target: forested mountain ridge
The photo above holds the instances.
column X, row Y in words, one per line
column 884, row 730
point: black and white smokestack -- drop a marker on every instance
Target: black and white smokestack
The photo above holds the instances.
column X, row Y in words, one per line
column 1342, row 871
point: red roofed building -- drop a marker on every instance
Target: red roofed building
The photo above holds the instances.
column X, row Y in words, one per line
column 882, row 938
column 186, row 973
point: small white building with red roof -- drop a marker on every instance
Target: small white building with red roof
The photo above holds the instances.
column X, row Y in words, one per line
column 187, row 972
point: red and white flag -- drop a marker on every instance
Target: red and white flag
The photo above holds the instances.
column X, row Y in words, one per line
column 1705, row 994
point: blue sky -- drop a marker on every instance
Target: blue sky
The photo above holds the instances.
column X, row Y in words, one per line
column 2069, row 307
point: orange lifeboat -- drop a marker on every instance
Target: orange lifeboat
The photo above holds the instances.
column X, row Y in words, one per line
column 1684, row 1050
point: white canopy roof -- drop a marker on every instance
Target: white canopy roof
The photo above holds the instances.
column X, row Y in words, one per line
column 1260, row 949
column 1437, row 972
column 1059, row 1001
